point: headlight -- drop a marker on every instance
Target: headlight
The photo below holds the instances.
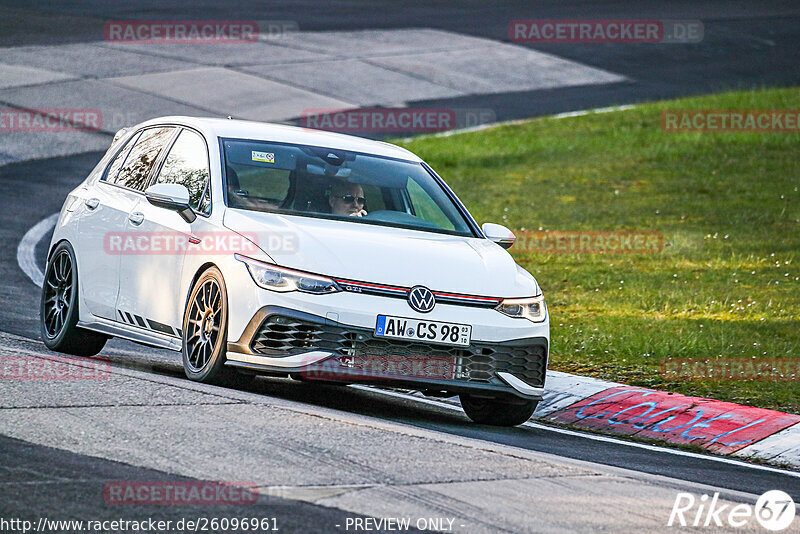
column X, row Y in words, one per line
column 284, row 280
column 532, row 309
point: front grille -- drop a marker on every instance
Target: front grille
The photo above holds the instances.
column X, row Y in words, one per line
column 283, row 335
column 384, row 290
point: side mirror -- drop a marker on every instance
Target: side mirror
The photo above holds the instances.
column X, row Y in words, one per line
column 174, row 197
column 499, row 234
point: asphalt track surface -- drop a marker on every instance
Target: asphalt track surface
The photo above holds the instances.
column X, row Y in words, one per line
column 55, row 479
column 47, row 181
column 746, row 45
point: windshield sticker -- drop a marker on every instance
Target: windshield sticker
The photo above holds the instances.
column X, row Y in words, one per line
column 266, row 157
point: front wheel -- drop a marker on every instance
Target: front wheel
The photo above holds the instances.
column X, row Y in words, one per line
column 496, row 412
column 205, row 332
column 58, row 309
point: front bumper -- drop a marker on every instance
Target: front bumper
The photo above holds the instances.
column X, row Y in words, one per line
column 283, row 340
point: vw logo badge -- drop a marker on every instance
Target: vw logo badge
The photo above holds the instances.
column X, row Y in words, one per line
column 421, row 299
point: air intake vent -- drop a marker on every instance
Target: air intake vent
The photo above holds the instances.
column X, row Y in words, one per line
column 282, row 335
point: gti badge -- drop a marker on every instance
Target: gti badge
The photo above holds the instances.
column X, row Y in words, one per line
column 421, row 299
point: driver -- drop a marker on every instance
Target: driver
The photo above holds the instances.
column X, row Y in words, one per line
column 347, row 199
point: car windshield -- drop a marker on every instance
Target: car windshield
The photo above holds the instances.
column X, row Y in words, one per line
column 337, row 184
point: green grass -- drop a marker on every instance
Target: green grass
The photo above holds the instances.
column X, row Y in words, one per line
column 727, row 283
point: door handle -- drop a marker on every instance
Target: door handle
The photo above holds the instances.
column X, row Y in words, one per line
column 136, row 217
column 92, row 203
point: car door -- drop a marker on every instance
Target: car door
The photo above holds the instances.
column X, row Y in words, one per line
column 102, row 242
column 149, row 291
column 103, row 209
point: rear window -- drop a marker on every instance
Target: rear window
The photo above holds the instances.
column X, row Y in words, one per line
column 113, row 169
column 135, row 171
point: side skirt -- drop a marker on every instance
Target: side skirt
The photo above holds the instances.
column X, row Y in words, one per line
column 132, row 333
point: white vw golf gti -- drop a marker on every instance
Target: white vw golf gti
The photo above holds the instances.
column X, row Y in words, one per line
column 255, row 248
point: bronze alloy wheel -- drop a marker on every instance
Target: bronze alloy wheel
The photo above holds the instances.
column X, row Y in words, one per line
column 205, row 332
column 204, row 325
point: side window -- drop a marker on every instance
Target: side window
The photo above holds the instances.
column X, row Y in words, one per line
column 374, row 198
column 187, row 164
column 141, row 158
column 113, row 169
column 426, row 208
column 264, row 184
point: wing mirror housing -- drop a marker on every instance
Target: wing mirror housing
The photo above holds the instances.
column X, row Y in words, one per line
column 499, row 234
column 173, row 197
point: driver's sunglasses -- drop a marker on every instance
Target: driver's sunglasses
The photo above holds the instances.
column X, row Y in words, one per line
column 351, row 198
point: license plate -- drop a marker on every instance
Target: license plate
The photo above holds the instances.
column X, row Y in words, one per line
column 422, row 330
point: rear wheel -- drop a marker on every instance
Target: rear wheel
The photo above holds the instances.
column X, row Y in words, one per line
column 496, row 412
column 58, row 309
column 205, row 333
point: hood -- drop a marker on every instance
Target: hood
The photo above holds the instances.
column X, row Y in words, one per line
column 381, row 254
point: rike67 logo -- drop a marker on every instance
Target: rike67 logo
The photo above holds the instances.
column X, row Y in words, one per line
column 774, row 511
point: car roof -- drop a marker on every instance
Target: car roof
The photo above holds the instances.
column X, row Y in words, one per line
column 281, row 133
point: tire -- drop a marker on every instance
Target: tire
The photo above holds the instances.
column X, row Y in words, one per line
column 58, row 309
column 205, row 333
column 496, row 412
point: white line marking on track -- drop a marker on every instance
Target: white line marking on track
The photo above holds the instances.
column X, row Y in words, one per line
column 26, row 257
column 596, row 437
column 498, row 124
